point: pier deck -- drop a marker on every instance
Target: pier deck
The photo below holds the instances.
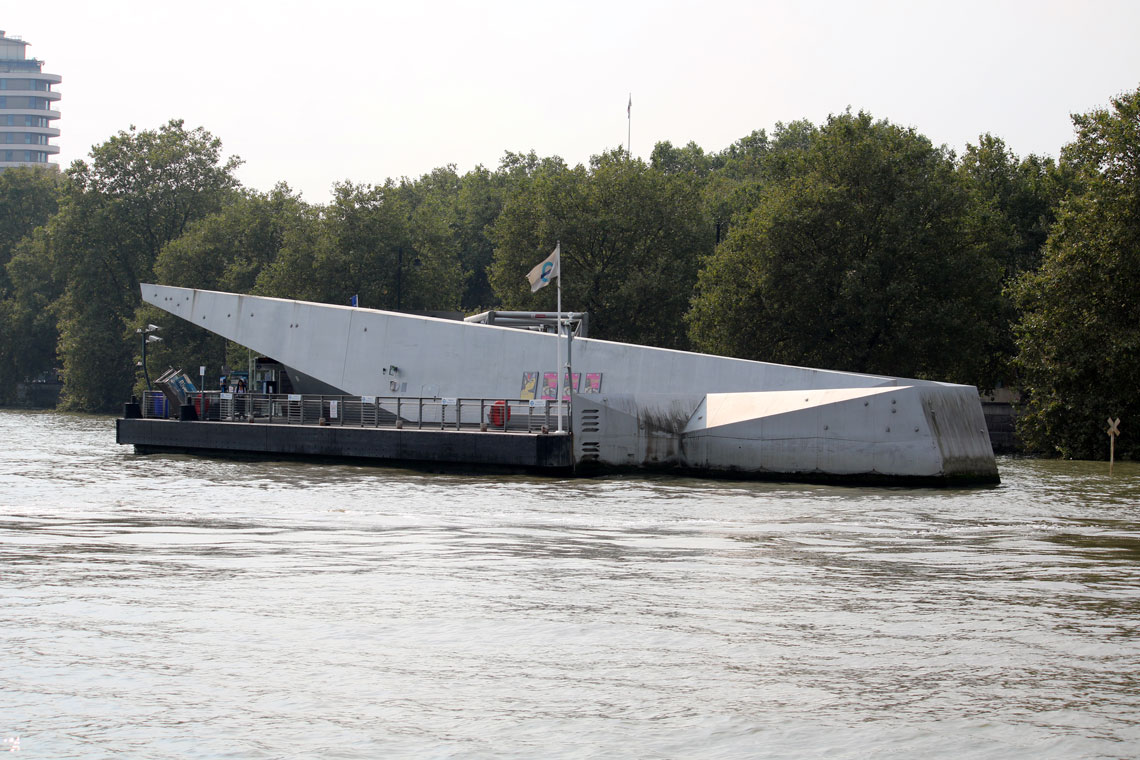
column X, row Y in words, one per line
column 460, row 433
column 459, row 448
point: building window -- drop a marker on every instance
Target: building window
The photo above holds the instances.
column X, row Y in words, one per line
column 3, row 101
column 7, row 155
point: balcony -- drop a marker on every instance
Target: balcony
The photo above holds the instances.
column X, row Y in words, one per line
column 19, row 148
column 25, row 93
column 30, row 112
column 49, row 95
column 7, row 72
column 40, row 164
column 21, row 129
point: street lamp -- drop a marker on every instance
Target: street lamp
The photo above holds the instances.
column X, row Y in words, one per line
column 144, row 334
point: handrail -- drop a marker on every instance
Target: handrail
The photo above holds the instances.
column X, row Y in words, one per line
column 393, row 412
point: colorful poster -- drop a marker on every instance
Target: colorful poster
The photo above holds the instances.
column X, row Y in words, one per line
column 529, row 385
column 570, row 384
column 593, row 382
column 550, row 385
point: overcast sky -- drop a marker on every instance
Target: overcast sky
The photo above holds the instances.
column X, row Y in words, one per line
column 314, row 92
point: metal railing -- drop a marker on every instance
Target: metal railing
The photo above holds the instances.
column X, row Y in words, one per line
column 393, row 412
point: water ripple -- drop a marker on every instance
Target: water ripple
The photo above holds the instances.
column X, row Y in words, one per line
column 173, row 606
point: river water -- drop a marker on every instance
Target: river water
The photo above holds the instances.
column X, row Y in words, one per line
column 172, row 606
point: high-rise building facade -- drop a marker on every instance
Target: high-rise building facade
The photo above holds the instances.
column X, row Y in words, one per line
column 26, row 108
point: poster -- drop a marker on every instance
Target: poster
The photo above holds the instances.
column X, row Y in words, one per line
column 570, row 384
column 593, row 382
column 550, row 385
column 529, row 385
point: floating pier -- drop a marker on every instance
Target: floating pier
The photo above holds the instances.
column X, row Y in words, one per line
column 627, row 407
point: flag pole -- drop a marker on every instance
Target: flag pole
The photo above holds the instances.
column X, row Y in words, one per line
column 629, row 126
column 559, row 336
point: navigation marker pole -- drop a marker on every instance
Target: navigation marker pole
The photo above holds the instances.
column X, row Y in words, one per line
column 1113, row 431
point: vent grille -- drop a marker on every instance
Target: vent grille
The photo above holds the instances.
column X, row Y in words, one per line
column 591, row 423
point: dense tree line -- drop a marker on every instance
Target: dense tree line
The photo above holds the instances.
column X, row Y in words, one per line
column 855, row 244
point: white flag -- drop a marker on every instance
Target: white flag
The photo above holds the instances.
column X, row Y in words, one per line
column 542, row 274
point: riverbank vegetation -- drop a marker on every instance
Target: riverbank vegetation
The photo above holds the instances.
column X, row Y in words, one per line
column 856, row 244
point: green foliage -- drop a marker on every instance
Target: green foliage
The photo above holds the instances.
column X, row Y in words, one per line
column 855, row 244
column 631, row 240
column 1020, row 197
column 28, row 198
column 141, row 191
column 1013, row 205
column 227, row 251
column 857, row 257
column 392, row 245
column 481, row 197
column 690, row 159
column 1079, row 333
column 28, row 333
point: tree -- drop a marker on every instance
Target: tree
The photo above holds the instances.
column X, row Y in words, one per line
column 28, row 333
column 1021, row 194
column 28, row 198
column 1013, row 204
column 668, row 159
column 228, row 249
column 141, row 190
column 390, row 244
column 856, row 258
column 1079, row 334
column 481, row 197
column 631, row 237
column 225, row 251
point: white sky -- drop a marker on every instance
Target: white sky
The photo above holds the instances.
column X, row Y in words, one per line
column 314, row 92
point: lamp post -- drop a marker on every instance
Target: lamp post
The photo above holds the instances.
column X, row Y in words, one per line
column 145, row 335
